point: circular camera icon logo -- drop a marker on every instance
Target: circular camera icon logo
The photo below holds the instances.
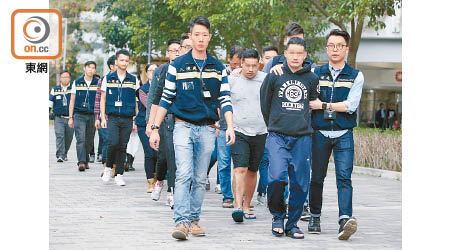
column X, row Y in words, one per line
column 36, row 29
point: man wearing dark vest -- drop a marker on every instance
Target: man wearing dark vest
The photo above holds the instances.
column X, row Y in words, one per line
column 103, row 132
column 59, row 102
column 196, row 85
column 81, row 113
column 333, row 119
column 118, row 101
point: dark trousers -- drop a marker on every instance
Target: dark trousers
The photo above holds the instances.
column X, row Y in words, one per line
column 288, row 157
column 84, row 133
column 343, row 151
column 166, row 153
column 64, row 136
column 100, row 141
column 103, row 146
column 119, row 130
column 149, row 153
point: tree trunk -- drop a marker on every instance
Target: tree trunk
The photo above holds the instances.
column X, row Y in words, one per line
column 355, row 39
column 256, row 40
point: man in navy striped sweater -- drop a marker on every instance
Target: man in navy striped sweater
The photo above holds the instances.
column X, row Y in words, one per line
column 196, row 84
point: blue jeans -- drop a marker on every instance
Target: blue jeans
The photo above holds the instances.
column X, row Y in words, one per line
column 343, row 151
column 103, row 134
column 224, row 165
column 289, row 157
column 193, row 147
column 263, row 168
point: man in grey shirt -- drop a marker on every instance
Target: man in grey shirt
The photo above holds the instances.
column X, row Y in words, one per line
column 250, row 130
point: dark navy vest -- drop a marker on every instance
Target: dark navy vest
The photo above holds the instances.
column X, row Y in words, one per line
column 85, row 96
column 60, row 99
column 124, row 92
column 340, row 88
column 140, row 118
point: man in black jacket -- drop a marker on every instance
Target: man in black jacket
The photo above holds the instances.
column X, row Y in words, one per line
column 285, row 107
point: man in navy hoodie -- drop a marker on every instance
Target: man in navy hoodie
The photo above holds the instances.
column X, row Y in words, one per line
column 285, row 107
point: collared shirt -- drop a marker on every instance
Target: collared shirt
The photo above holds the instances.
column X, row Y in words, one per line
column 352, row 102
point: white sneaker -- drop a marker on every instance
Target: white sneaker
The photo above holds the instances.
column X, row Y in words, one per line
column 107, row 175
column 119, row 180
column 261, row 199
column 170, row 200
column 217, row 189
column 156, row 194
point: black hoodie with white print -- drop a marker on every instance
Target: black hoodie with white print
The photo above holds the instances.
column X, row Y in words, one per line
column 285, row 100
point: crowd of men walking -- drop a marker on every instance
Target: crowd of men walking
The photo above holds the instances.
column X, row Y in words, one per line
column 283, row 121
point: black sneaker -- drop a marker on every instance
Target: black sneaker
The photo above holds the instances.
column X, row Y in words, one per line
column 314, row 225
column 65, row 158
column 60, row 159
column 305, row 214
column 347, row 227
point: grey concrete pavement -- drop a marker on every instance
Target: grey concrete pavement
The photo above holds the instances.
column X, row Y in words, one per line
column 84, row 213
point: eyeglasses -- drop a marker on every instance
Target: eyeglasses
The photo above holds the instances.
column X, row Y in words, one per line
column 336, row 46
column 187, row 47
column 173, row 50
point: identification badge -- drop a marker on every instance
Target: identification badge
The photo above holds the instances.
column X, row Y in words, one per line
column 84, row 105
column 64, row 102
column 206, row 94
column 118, row 103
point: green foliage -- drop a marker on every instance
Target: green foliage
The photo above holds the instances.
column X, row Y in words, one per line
column 130, row 24
column 71, row 9
column 254, row 24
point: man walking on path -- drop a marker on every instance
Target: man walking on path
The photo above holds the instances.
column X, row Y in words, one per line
column 285, row 107
column 81, row 113
column 196, row 84
column 333, row 119
column 251, row 132
column 59, row 102
column 118, row 101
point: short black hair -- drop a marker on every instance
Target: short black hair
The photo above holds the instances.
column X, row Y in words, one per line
column 148, row 66
column 250, row 53
column 293, row 29
column 65, row 71
column 122, row 52
column 200, row 20
column 89, row 63
column 338, row 32
column 269, row 48
column 236, row 50
column 296, row 40
column 183, row 37
column 173, row 40
column 111, row 60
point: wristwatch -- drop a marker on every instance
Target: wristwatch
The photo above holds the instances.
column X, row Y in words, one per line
column 154, row 127
column 324, row 105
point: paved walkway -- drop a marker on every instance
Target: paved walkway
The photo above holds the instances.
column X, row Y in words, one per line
column 87, row 214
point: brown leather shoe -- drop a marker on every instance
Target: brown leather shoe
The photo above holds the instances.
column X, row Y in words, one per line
column 196, row 230
column 151, row 185
column 181, row 231
column 87, row 166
